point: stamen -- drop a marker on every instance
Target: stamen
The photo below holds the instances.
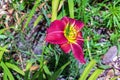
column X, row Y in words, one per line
column 70, row 33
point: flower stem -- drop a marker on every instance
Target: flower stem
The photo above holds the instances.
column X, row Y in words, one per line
column 88, row 48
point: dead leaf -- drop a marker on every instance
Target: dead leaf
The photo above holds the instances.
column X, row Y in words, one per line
column 60, row 5
column 35, row 67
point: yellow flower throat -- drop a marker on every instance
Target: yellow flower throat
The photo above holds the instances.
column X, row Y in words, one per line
column 70, row 33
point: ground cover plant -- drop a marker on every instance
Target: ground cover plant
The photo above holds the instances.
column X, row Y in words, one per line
column 59, row 39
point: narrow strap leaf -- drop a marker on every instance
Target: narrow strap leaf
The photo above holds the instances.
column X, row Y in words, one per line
column 7, row 71
column 32, row 13
column 15, row 68
column 71, row 8
column 96, row 73
column 59, row 71
column 87, row 70
column 55, row 4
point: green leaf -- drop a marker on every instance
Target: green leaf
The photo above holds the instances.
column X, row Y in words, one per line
column 59, row 71
column 62, row 13
column 71, row 8
column 95, row 74
column 87, row 70
column 5, row 76
column 27, row 72
column 2, row 50
column 104, row 66
column 28, row 66
column 61, row 4
column 46, row 69
column 46, row 17
column 7, row 71
column 3, row 36
column 55, row 4
column 38, row 20
column 1, row 54
column 116, row 22
column 2, row 30
column 22, row 6
column 39, row 74
column 27, row 75
column 106, row 16
column 32, row 13
column 15, row 68
column 36, row 75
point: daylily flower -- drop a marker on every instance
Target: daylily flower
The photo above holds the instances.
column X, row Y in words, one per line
column 66, row 33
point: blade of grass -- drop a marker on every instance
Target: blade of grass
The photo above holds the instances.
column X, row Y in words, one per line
column 82, row 11
column 87, row 70
column 38, row 74
column 27, row 75
column 38, row 20
column 61, row 4
column 59, row 71
column 3, row 36
column 5, row 76
column 95, row 74
column 15, row 68
column 4, row 29
column 6, row 70
column 32, row 13
column 29, row 64
column 55, row 4
column 27, row 70
column 88, row 48
column 62, row 13
column 46, row 17
column 35, row 75
column 71, row 8
column 118, row 47
column 2, row 50
column 46, row 69
column 1, row 54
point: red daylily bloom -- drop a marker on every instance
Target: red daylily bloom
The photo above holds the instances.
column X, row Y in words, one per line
column 66, row 33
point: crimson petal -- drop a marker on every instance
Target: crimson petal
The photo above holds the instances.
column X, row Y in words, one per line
column 65, row 20
column 78, row 25
column 56, row 37
column 78, row 52
column 79, row 39
column 72, row 21
column 66, row 47
column 57, row 25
